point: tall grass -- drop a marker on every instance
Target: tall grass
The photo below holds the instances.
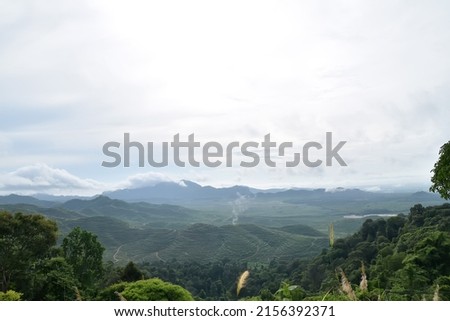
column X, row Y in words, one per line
column 77, row 294
column 120, row 296
column 331, row 234
column 242, row 281
column 436, row 293
column 363, row 286
column 347, row 287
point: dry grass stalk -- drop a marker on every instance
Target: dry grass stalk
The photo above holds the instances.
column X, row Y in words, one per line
column 242, row 281
column 77, row 294
column 120, row 296
column 436, row 293
column 331, row 234
column 363, row 284
column 347, row 287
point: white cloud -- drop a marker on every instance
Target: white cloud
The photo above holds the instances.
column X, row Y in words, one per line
column 143, row 180
column 41, row 178
column 373, row 189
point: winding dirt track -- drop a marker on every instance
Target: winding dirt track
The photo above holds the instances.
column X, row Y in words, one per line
column 159, row 258
column 115, row 254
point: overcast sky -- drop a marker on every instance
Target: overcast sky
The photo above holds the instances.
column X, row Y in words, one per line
column 77, row 74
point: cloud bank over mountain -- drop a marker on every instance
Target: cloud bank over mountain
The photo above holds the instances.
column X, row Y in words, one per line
column 43, row 179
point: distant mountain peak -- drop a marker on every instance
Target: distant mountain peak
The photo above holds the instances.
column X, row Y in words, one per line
column 23, row 199
column 184, row 190
column 187, row 183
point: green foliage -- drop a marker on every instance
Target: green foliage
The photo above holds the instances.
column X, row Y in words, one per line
column 404, row 257
column 10, row 295
column 155, row 290
column 441, row 173
column 131, row 273
column 252, row 298
column 54, row 280
column 266, row 295
column 444, row 287
column 217, row 280
column 24, row 239
column 110, row 293
column 147, row 290
column 84, row 253
column 288, row 292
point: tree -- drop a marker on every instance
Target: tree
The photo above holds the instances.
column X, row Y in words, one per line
column 441, row 173
column 131, row 273
column 54, row 281
column 84, row 253
column 24, row 239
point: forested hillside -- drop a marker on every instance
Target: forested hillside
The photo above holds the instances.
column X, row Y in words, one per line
column 406, row 257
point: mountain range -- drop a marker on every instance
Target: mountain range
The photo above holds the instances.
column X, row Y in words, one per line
column 188, row 191
column 186, row 221
column 179, row 192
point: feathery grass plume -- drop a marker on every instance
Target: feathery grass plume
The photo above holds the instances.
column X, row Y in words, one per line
column 77, row 294
column 242, row 282
column 120, row 296
column 331, row 234
column 347, row 287
column 436, row 293
column 363, row 284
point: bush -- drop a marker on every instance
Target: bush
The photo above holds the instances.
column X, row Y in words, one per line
column 10, row 296
column 147, row 290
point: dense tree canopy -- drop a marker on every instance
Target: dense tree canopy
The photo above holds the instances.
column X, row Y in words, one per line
column 441, row 173
column 406, row 257
column 84, row 253
column 54, row 280
column 24, row 239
